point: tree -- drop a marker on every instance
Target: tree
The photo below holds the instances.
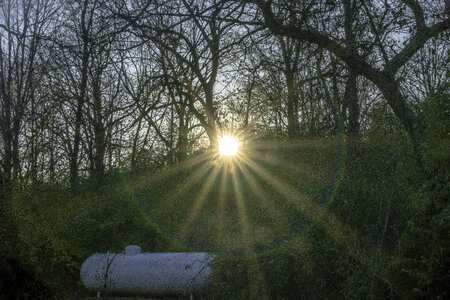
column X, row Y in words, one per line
column 86, row 85
column 21, row 29
column 383, row 77
column 201, row 31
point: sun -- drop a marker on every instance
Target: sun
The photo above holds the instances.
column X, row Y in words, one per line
column 228, row 146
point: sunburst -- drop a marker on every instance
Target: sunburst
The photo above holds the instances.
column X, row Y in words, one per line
column 228, row 146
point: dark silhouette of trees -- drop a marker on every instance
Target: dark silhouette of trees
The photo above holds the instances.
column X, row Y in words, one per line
column 21, row 64
column 91, row 85
column 393, row 57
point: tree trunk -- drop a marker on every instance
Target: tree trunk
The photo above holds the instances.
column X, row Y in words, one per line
column 34, row 152
column 351, row 99
column 134, row 148
column 182, row 145
column 73, row 174
column 15, row 146
column 351, row 90
column 390, row 88
column 212, row 136
column 290, row 53
column 99, row 130
column 7, row 140
column 211, row 127
column 292, row 112
column 76, row 142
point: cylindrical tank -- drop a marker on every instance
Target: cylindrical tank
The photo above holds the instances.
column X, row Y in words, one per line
column 134, row 272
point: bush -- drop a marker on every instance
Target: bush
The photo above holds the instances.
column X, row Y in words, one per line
column 58, row 229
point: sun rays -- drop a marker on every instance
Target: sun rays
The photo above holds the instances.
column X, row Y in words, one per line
column 198, row 204
column 241, row 203
column 247, row 204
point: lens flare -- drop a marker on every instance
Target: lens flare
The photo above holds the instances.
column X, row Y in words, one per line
column 228, row 146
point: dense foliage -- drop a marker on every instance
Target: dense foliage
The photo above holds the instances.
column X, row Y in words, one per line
column 111, row 113
column 385, row 235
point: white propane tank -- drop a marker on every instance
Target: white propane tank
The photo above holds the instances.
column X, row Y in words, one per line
column 134, row 272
